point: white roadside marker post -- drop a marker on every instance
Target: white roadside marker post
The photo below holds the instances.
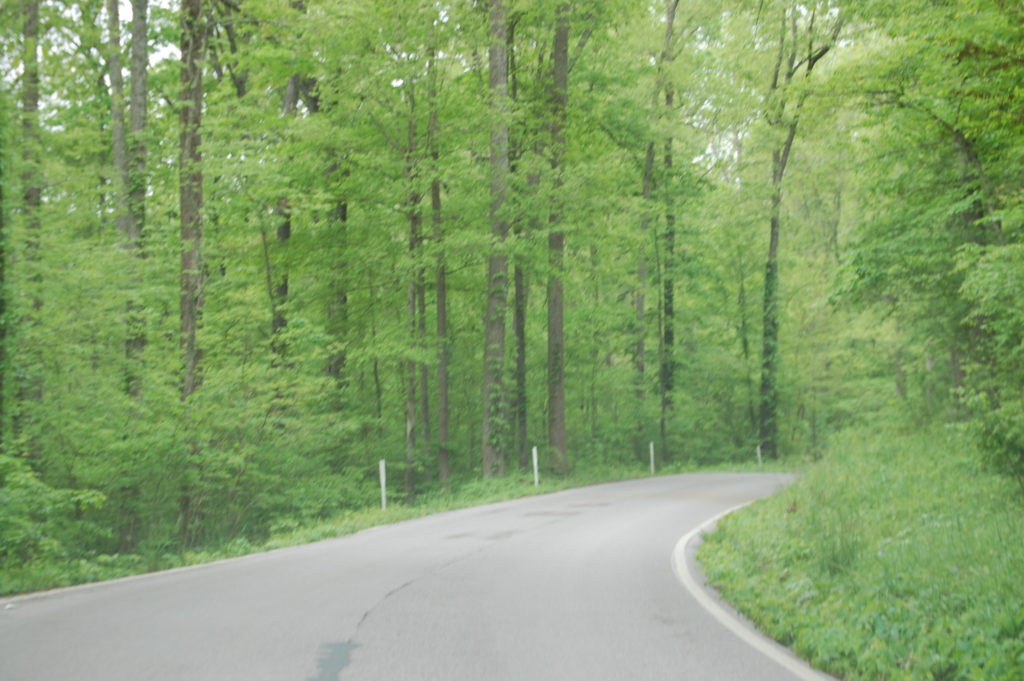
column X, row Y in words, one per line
column 652, row 458
column 383, row 485
column 536, row 475
column 759, row 461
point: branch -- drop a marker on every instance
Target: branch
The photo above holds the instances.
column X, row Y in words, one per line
column 580, row 44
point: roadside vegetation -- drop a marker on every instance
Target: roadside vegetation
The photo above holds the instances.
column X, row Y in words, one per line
column 897, row 557
column 64, row 566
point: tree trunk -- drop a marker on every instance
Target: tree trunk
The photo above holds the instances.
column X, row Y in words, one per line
column 29, row 387
column 30, row 122
column 667, row 369
column 640, row 302
column 410, row 400
column 423, row 367
column 556, row 246
column 191, row 190
column 137, row 150
column 283, row 210
column 744, row 337
column 413, row 293
column 519, row 410
column 769, row 394
column 497, row 263
column 783, row 114
column 31, row 180
column 666, row 354
column 135, row 341
column 191, row 216
column 278, row 284
column 122, row 181
column 441, row 276
column 443, row 464
column 337, row 305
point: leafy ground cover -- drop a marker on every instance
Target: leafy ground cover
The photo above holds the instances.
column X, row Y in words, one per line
column 896, row 557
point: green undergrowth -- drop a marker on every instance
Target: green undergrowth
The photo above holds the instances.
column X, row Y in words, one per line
column 897, row 557
column 53, row 573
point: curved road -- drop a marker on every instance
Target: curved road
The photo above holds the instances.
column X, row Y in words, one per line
column 560, row 587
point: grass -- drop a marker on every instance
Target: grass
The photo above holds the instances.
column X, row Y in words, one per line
column 897, row 557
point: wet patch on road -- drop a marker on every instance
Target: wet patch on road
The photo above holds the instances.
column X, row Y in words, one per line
column 333, row 658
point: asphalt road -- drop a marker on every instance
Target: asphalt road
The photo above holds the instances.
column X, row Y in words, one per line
column 560, row 587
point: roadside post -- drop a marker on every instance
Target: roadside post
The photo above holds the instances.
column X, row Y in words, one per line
column 652, row 457
column 536, row 474
column 383, row 485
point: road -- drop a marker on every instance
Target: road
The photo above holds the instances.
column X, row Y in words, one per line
column 566, row 586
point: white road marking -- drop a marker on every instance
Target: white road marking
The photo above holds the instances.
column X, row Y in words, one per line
column 751, row 637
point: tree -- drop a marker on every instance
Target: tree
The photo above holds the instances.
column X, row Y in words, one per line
column 556, row 244
column 441, row 274
column 118, row 131
column 193, row 39
column 666, row 347
column 801, row 45
column 138, row 105
column 497, row 260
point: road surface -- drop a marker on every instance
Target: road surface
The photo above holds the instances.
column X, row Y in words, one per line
column 577, row 585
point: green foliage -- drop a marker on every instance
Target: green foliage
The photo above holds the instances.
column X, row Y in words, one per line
column 996, row 395
column 896, row 557
column 37, row 522
column 40, row 553
column 325, row 126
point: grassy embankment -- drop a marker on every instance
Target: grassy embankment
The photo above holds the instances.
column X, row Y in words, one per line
column 48, row 574
column 897, row 557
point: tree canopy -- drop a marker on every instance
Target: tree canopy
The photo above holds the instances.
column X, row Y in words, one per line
column 250, row 247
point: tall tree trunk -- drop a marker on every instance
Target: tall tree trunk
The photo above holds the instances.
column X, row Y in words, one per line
column 667, row 373
column 443, row 463
column 30, row 119
column 744, row 334
column 337, row 305
column 519, row 410
column 135, row 341
column 137, row 149
column 416, row 329
column 29, row 384
column 556, row 246
column 423, row 367
column 191, row 215
column 640, row 302
column 769, row 392
column 410, row 400
column 31, row 180
column 129, row 189
column 497, row 262
column 118, row 133
column 191, row 189
column 440, row 273
column 666, row 354
column 283, row 211
column 278, row 283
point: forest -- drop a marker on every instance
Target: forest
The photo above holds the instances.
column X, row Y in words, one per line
column 252, row 247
